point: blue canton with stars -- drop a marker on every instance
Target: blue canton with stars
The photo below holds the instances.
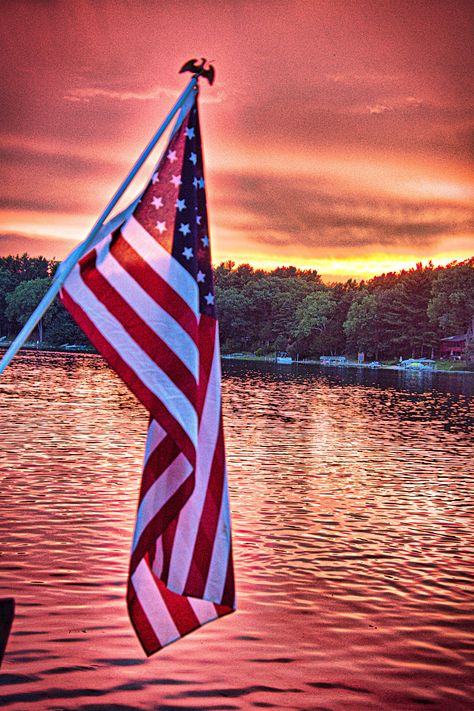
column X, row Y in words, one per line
column 173, row 207
column 191, row 236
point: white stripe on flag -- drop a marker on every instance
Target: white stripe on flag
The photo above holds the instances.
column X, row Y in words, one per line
column 162, row 262
column 159, row 492
column 222, row 541
column 145, row 368
column 188, row 522
column 153, row 605
column 157, row 566
column 220, row 552
column 204, row 610
column 149, row 311
column 155, row 436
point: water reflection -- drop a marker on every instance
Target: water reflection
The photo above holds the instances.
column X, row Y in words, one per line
column 351, row 496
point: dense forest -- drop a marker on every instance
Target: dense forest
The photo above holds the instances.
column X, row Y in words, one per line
column 392, row 315
column 396, row 314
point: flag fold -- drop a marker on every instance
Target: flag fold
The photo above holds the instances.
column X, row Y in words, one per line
column 144, row 296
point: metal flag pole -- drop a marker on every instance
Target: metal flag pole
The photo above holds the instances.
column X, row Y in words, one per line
column 48, row 298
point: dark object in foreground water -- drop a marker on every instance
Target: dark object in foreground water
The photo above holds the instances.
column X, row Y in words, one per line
column 7, row 612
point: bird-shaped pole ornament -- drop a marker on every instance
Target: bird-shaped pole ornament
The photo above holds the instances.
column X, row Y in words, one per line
column 199, row 70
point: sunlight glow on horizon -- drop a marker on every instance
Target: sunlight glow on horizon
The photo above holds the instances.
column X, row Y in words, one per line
column 66, row 231
column 340, row 269
column 366, row 193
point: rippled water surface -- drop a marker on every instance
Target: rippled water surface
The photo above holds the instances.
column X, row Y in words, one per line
column 351, row 496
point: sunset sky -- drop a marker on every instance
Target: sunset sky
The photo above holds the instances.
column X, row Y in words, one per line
column 336, row 136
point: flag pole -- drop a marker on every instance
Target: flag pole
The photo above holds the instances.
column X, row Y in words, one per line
column 50, row 295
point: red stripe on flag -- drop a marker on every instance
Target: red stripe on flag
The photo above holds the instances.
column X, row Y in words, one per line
column 228, row 595
column 167, row 541
column 154, row 285
column 158, row 461
column 138, row 330
column 179, row 608
column 202, row 554
column 161, row 520
column 152, row 403
column 207, row 344
column 143, row 629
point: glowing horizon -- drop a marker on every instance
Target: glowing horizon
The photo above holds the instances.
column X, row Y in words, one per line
column 354, row 161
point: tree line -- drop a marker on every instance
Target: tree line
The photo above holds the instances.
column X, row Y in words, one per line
column 24, row 281
column 397, row 314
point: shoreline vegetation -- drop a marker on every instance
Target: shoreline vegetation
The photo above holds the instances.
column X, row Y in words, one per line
column 390, row 318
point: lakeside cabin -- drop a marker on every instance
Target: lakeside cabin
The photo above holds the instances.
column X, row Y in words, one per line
column 454, row 347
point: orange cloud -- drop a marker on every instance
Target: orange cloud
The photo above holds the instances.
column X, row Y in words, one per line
column 336, row 138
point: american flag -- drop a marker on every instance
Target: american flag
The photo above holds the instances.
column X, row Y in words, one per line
column 144, row 296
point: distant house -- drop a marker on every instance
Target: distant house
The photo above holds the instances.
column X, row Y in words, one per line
column 455, row 346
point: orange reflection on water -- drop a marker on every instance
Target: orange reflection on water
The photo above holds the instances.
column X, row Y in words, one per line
column 353, row 537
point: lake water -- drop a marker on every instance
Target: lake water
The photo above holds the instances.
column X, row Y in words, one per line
column 351, row 495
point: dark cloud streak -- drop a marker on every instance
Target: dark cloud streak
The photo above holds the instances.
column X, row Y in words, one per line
column 311, row 217
column 50, row 247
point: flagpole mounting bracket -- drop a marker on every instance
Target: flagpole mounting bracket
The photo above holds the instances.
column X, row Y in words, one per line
column 204, row 69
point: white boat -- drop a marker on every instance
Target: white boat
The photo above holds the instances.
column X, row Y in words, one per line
column 283, row 358
column 374, row 364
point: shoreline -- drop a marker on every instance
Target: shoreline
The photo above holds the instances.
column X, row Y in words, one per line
column 251, row 358
column 348, row 364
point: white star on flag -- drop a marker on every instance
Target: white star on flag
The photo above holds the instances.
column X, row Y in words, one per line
column 201, row 182
column 180, row 204
column 172, row 156
column 190, row 133
column 157, row 202
column 161, row 227
column 209, row 299
column 155, row 178
column 193, row 158
column 205, row 241
column 184, row 229
column 200, row 276
column 188, row 253
column 195, row 182
column 176, row 180
column 198, row 219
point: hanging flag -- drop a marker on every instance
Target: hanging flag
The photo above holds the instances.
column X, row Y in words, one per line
column 144, row 296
